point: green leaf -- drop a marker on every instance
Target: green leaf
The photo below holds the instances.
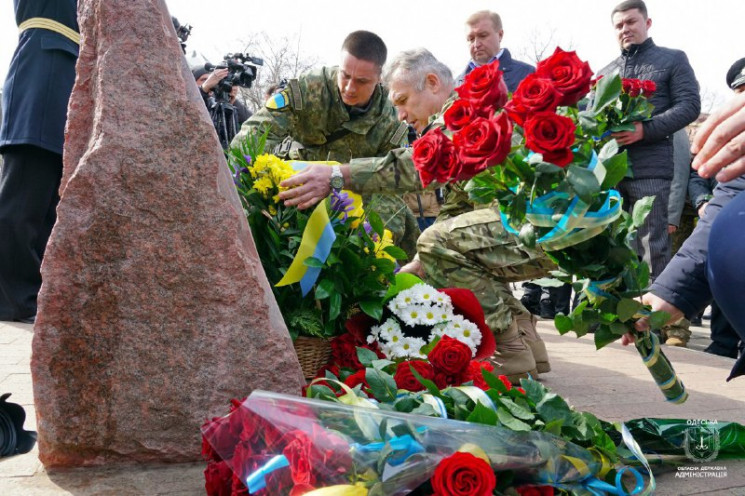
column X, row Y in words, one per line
column 534, row 390
column 603, row 336
column 548, row 282
column 658, row 319
column 547, row 168
column 313, row 262
column 554, row 427
column 506, row 419
column 382, row 385
column 642, row 207
column 583, row 182
column 553, row 407
column 396, row 252
column 334, row 306
column 619, row 328
column 627, row 308
column 380, row 364
column 609, row 150
column 606, row 91
column 493, row 381
column 373, row 308
column 426, row 410
column 375, row 222
column 366, row 357
column 482, row 415
column 563, row 324
column 324, row 289
column 516, row 410
column 431, row 386
column 615, row 168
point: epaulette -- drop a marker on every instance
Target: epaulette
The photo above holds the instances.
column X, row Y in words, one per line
column 297, row 96
column 398, row 136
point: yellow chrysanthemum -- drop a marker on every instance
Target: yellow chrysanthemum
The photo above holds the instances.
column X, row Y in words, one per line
column 264, row 186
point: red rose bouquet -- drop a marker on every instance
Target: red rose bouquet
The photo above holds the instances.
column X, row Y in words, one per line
column 273, row 444
column 555, row 186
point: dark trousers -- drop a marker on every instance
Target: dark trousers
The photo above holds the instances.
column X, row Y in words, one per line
column 651, row 243
column 724, row 339
column 29, row 193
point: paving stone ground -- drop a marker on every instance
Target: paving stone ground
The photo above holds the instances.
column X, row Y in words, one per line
column 612, row 383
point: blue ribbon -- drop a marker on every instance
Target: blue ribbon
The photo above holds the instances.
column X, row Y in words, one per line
column 598, row 487
column 257, row 479
column 402, row 446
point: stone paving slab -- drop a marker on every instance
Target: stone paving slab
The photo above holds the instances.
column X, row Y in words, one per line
column 612, row 383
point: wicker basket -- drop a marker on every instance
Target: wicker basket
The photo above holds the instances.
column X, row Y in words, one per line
column 313, row 353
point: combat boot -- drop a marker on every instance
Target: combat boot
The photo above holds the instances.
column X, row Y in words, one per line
column 513, row 357
column 526, row 328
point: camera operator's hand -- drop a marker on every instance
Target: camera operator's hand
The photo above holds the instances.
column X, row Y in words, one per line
column 214, row 78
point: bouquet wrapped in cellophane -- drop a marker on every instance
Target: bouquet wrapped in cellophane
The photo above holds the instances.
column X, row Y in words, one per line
column 552, row 168
column 273, row 444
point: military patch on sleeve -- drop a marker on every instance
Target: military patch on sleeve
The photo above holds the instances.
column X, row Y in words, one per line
column 278, row 101
column 398, row 136
column 297, row 95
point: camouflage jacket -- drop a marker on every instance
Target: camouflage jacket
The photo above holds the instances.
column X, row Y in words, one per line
column 310, row 111
column 395, row 173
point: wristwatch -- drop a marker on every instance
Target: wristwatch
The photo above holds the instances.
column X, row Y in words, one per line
column 337, row 180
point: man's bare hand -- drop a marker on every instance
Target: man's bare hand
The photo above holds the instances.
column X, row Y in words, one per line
column 625, row 138
column 657, row 304
column 719, row 144
column 308, row 187
column 414, row 267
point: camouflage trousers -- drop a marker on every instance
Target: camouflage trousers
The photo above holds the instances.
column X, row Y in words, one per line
column 397, row 218
column 473, row 251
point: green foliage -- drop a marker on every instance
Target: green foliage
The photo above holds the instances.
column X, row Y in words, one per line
column 355, row 275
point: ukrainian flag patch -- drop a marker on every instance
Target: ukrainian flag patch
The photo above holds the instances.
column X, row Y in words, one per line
column 278, row 100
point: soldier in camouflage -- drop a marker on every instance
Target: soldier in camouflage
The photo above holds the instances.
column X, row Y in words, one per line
column 467, row 246
column 336, row 114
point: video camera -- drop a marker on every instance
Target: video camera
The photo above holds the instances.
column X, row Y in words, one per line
column 182, row 32
column 240, row 73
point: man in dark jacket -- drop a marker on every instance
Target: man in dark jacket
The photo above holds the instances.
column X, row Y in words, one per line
column 484, row 35
column 35, row 96
column 650, row 148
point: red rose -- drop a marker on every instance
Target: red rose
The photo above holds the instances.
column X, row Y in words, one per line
column 649, row 87
column 485, row 88
column 450, row 356
column 534, row 94
column 218, row 479
column 463, row 473
column 344, row 351
column 298, row 451
column 357, row 378
column 459, row 114
column 535, row 490
column 552, row 135
column 474, row 371
column 406, row 380
column 483, row 143
column 570, row 75
column 435, row 158
column 218, row 442
column 443, row 380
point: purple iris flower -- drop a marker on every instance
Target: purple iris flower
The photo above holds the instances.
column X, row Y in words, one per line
column 237, row 175
column 340, row 202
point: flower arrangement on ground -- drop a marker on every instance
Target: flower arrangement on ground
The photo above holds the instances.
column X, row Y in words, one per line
column 323, row 265
column 552, row 168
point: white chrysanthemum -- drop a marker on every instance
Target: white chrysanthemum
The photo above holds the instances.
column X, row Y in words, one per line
column 410, row 347
column 371, row 339
column 389, row 328
column 411, row 315
column 424, row 293
column 443, row 300
column 375, row 332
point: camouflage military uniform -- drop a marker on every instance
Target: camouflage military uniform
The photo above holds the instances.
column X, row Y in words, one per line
column 467, row 245
column 307, row 120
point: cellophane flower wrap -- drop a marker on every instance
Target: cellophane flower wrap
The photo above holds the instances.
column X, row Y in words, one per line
column 274, row 444
column 555, row 187
column 322, row 265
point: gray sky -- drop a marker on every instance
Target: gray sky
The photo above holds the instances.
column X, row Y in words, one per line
column 709, row 32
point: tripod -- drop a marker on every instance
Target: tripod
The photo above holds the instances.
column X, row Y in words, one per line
column 225, row 119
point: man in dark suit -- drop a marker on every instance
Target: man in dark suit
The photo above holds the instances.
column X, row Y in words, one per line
column 484, row 36
column 35, row 96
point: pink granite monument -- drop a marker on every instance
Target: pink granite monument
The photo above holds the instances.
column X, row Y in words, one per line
column 154, row 310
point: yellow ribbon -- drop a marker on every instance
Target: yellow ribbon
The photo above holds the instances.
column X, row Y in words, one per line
column 51, row 25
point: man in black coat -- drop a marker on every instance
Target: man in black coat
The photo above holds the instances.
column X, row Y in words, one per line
column 484, row 35
column 35, row 96
column 650, row 147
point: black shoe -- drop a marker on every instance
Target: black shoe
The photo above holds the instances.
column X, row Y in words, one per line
column 26, row 320
column 696, row 321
